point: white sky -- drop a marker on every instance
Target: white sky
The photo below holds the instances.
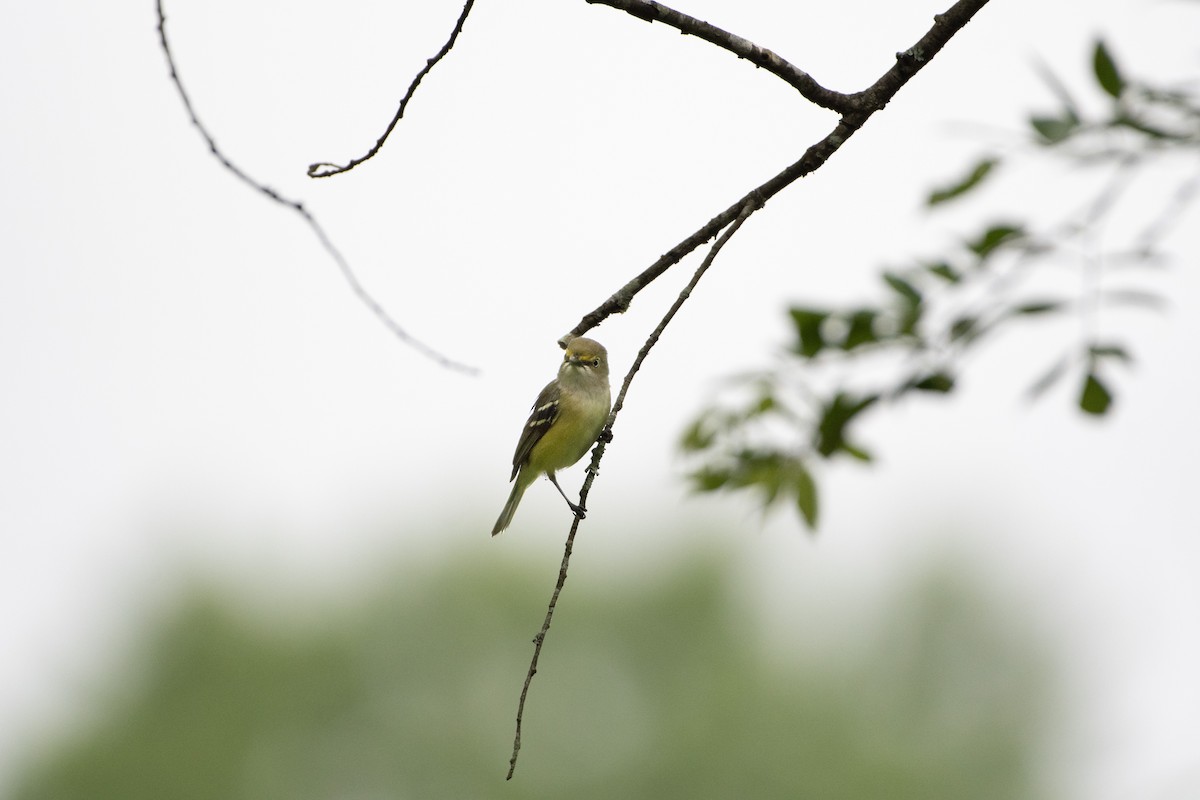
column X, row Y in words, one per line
column 187, row 379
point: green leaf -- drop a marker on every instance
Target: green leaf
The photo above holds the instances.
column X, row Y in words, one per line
column 1107, row 74
column 1032, row 309
column 1054, row 129
column 765, row 403
column 808, row 329
column 861, row 329
column 964, row 328
column 902, row 288
column 1095, row 397
column 963, row 185
column 939, row 382
column 764, row 470
column 856, row 452
column 944, row 271
column 806, row 493
column 908, row 322
column 698, row 436
column 709, row 479
column 837, row 414
column 994, row 238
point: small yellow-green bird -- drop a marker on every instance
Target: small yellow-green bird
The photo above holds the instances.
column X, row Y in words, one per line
column 566, row 420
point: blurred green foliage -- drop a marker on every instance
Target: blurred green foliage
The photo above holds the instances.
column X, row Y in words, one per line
column 654, row 692
column 770, row 429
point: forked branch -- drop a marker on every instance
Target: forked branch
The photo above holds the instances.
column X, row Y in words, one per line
column 598, row 453
column 867, row 102
column 295, row 205
column 859, row 109
column 760, row 57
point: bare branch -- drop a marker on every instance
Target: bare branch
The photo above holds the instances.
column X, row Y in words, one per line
column 598, row 453
column 867, row 102
column 730, row 220
column 344, row 266
column 910, row 61
column 1170, row 215
column 325, row 169
column 761, row 57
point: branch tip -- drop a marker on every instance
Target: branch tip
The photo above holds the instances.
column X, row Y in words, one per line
column 342, row 264
column 329, row 170
column 760, row 57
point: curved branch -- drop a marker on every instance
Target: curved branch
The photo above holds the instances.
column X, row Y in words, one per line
column 344, row 266
column 325, row 169
column 598, row 453
column 760, row 57
column 866, row 103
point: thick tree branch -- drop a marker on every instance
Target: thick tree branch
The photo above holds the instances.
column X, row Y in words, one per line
column 598, row 453
column 325, row 169
column 912, row 60
column 761, row 57
column 866, row 103
column 295, row 205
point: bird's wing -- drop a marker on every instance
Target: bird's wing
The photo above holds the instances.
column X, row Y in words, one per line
column 545, row 412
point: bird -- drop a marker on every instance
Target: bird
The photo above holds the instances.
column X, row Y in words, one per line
column 567, row 419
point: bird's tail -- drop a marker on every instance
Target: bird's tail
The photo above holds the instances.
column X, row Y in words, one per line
column 510, row 508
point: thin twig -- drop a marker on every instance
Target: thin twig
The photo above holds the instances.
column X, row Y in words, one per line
column 598, row 453
column 325, row 169
column 867, row 102
column 760, row 57
column 344, row 266
column 1170, row 214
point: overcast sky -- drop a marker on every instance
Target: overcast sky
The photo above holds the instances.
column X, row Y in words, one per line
column 187, row 378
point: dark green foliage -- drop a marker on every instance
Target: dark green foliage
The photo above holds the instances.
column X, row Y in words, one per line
column 903, row 287
column 808, row 322
column 938, row 382
column 934, row 314
column 836, row 416
column 778, row 476
column 805, row 489
column 944, row 271
column 1105, row 69
column 1163, row 116
column 1095, row 397
column 994, row 238
column 860, row 328
column 1039, row 307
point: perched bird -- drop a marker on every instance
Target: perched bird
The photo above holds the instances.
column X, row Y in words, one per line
column 566, row 420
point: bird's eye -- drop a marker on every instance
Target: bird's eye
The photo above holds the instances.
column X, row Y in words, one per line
column 595, row 362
